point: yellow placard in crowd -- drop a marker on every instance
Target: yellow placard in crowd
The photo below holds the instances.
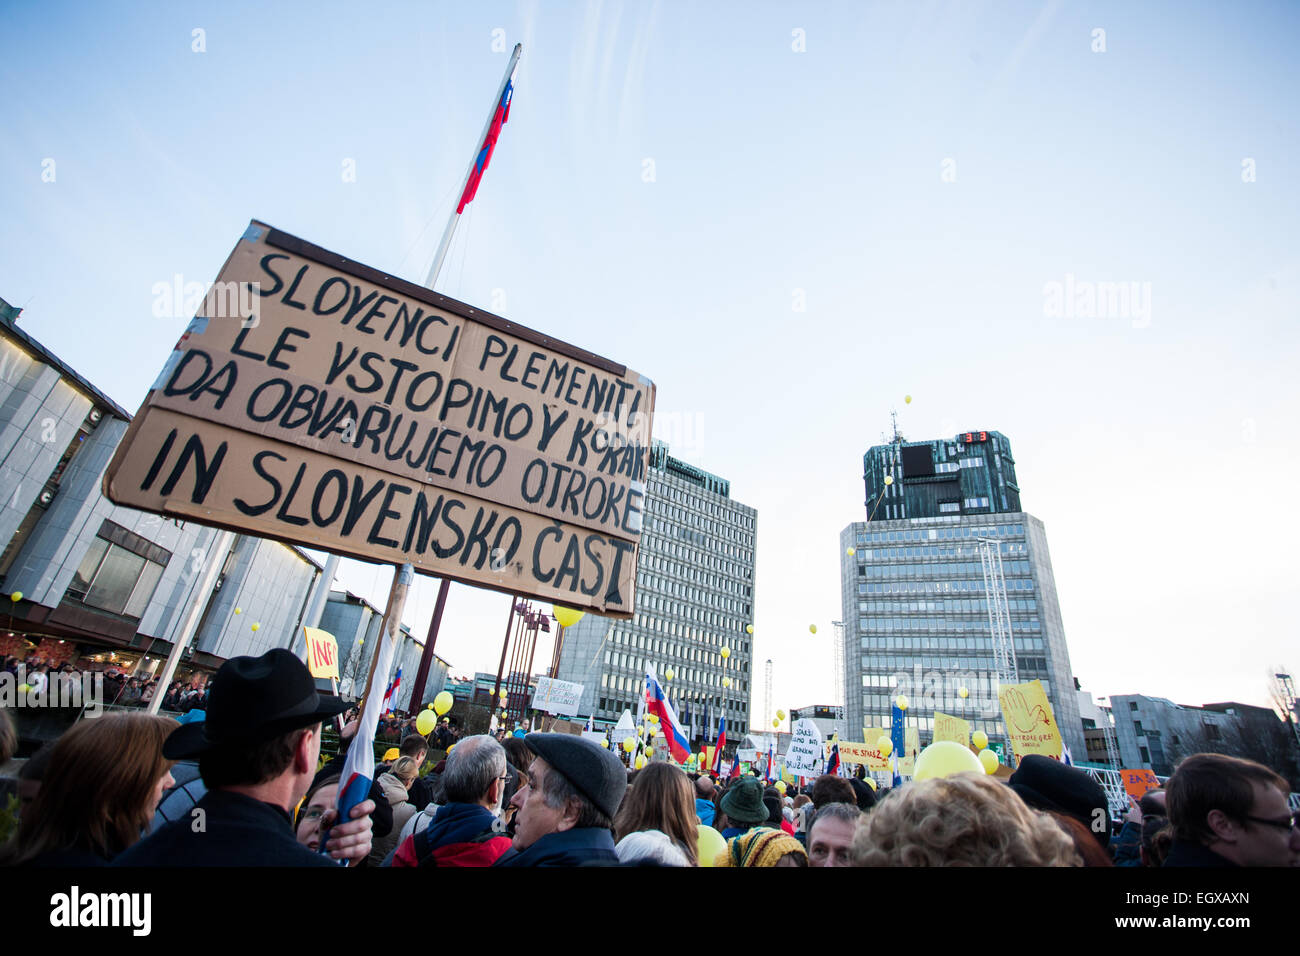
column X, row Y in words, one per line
column 948, row 727
column 1030, row 723
column 874, row 760
column 322, row 653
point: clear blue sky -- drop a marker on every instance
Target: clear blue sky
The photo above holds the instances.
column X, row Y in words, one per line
column 1160, row 455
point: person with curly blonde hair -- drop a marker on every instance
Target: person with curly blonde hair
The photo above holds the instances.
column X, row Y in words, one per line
column 962, row 820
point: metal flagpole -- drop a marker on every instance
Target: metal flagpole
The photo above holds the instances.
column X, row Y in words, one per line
column 443, row 586
column 478, row 145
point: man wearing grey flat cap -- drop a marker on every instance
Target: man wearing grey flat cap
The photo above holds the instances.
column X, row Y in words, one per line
column 566, row 812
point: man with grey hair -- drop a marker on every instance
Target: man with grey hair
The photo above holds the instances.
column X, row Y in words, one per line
column 467, row 830
column 565, row 813
column 830, row 835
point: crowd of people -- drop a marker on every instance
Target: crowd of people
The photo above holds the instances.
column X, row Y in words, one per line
column 114, row 791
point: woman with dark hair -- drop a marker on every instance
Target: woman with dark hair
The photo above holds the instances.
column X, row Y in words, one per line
column 657, row 820
column 321, row 798
column 99, row 792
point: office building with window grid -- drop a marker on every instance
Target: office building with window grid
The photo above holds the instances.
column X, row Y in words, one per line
column 914, row 595
column 694, row 596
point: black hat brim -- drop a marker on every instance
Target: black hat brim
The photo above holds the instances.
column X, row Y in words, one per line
column 192, row 740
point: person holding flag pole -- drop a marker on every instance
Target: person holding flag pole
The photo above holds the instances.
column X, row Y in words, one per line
column 359, row 765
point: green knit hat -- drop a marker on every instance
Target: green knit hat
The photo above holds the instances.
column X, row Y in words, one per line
column 743, row 802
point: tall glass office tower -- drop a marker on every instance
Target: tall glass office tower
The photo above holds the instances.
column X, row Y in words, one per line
column 695, row 596
column 915, row 589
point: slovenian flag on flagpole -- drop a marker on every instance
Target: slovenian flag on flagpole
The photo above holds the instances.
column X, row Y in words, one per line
column 770, row 773
column 392, row 688
column 485, row 151
column 656, row 702
column 722, row 742
column 735, row 766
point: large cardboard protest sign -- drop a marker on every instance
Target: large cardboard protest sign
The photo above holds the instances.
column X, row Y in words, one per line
column 804, row 756
column 1031, row 726
column 557, row 696
column 369, row 416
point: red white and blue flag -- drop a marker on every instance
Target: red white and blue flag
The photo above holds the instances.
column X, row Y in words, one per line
column 392, row 688
column 722, row 742
column 656, row 702
column 770, row 774
column 735, row 767
column 485, row 151
column 359, row 765
column 833, row 762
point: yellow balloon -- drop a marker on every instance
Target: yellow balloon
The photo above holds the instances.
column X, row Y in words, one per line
column 775, row 722
column 963, row 693
column 652, row 733
column 871, row 783
column 256, row 626
column 907, row 399
column 503, row 694
column 16, row 596
column 989, row 761
column 901, row 701
column 361, row 640
column 442, row 703
column 505, row 713
column 239, row 610
column 709, row 844
column 780, row 715
column 725, row 652
column 851, row 552
column 430, row 706
column 566, row 616
column 749, row 628
column 884, row 745
column 640, row 761
column 649, row 751
column 605, row 744
column 451, row 748
column 979, row 739
column 726, row 682
column 780, row 786
column 668, row 674
column 812, row 628
column 943, row 758
column 425, row 723
column 889, row 479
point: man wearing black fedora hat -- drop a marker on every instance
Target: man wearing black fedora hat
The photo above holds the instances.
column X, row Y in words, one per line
column 257, row 753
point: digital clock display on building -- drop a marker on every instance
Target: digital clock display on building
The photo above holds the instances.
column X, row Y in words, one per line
column 973, row 438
